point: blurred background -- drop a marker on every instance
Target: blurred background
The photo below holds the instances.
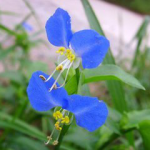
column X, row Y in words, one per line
column 24, row 48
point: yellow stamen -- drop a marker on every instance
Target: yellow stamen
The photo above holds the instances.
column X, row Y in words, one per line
column 57, row 115
column 59, row 68
column 61, row 50
column 68, row 52
column 55, row 142
column 55, row 87
column 65, row 120
column 71, row 57
column 42, row 77
column 57, row 126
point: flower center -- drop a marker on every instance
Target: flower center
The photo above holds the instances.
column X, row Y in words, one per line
column 66, row 64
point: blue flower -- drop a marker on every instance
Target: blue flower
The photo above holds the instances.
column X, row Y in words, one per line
column 27, row 26
column 90, row 113
column 45, row 93
column 86, row 44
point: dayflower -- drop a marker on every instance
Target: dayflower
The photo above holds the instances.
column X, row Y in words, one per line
column 85, row 45
column 27, row 26
column 45, row 93
column 89, row 112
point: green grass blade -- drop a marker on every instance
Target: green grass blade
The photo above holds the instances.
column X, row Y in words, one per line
column 8, row 13
column 143, row 28
column 31, row 144
column 21, row 126
column 115, row 87
column 141, row 33
column 145, row 133
column 33, row 12
column 7, row 30
column 27, row 17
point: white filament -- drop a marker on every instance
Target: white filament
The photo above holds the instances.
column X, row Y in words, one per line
column 50, row 137
column 66, row 75
column 55, row 70
column 64, row 67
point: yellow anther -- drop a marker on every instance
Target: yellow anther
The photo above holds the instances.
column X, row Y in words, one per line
column 65, row 120
column 59, row 68
column 42, row 77
column 57, row 126
column 57, row 123
column 57, row 115
column 68, row 52
column 55, row 142
column 55, row 87
column 71, row 57
column 61, row 50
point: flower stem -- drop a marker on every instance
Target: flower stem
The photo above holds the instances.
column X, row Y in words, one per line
column 66, row 127
column 63, row 132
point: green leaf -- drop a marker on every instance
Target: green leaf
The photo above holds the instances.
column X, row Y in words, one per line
column 71, row 86
column 29, row 143
column 18, row 125
column 113, row 126
column 110, row 72
column 132, row 119
column 144, row 128
column 115, row 88
column 114, row 114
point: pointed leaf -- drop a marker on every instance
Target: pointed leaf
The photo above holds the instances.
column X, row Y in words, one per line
column 110, row 72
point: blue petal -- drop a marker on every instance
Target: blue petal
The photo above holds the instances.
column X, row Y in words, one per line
column 40, row 97
column 58, row 28
column 90, row 46
column 90, row 113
